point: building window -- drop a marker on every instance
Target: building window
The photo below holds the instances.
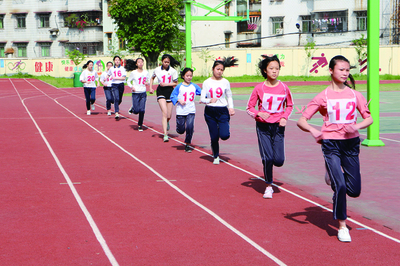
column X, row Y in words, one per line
column 85, row 48
column 21, row 49
column 21, row 21
column 1, row 21
column 44, row 21
column 109, row 41
column 361, row 20
column 45, row 49
column 277, row 25
column 335, row 21
column 122, row 44
column 2, row 50
column 227, row 38
column 306, row 23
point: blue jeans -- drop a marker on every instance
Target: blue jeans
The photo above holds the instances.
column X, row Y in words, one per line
column 118, row 92
column 185, row 123
column 90, row 96
column 272, row 147
column 139, row 105
column 217, row 119
column 109, row 97
column 342, row 155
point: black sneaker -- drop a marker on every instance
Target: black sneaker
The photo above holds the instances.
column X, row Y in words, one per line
column 187, row 148
column 140, row 128
column 130, row 111
column 116, row 116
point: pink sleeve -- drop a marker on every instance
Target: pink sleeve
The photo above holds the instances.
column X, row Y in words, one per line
column 251, row 104
column 362, row 105
column 313, row 107
column 289, row 104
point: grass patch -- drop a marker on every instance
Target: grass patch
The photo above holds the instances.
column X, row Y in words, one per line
column 57, row 82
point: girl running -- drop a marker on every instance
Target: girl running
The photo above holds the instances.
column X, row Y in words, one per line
column 90, row 81
column 106, row 81
column 139, row 79
column 167, row 78
column 184, row 95
column 217, row 96
column 118, row 74
column 275, row 104
column 339, row 136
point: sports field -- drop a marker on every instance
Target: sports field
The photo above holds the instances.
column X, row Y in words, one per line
column 89, row 190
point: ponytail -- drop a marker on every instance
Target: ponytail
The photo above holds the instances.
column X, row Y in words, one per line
column 172, row 61
column 225, row 62
column 352, row 81
column 130, row 65
column 87, row 64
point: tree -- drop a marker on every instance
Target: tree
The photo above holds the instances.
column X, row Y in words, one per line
column 361, row 49
column 149, row 26
column 76, row 56
column 310, row 49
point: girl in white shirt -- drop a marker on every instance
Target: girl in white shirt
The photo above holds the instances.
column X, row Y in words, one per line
column 167, row 78
column 106, row 81
column 118, row 74
column 137, row 81
column 90, row 81
column 217, row 96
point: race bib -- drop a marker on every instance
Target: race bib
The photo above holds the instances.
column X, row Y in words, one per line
column 342, row 111
column 273, row 103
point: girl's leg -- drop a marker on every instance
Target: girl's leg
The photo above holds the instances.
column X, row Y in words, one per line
column 141, row 107
column 115, row 93
column 210, row 117
column 92, row 95
column 121, row 88
column 87, row 97
column 279, row 145
column 169, row 112
column 109, row 98
column 189, row 128
column 223, row 123
column 164, row 110
column 265, row 140
column 180, row 123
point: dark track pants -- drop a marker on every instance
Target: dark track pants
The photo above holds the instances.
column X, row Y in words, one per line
column 343, row 166
column 217, row 119
column 185, row 123
column 109, row 97
column 139, row 105
column 90, row 96
column 271, row 144
column 117, row 91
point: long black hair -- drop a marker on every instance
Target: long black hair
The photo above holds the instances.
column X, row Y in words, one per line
column 332, row 65
column 263, row 64
column 131, row 64
column 172, row 61
column 225, row 62
column 87, row 64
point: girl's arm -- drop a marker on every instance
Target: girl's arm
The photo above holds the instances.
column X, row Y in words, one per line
column 129, row 81
column 305, row 126
column 175, row 94
column 151, row 84
column 228, row 94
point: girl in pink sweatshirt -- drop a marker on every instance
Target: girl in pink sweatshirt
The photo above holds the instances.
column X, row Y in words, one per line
column 339, row 138
column 274, row 105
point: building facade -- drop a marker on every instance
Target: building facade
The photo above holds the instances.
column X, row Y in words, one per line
column 47, row 28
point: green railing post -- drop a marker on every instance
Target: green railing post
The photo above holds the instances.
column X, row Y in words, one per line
column 373, row 72
column 188, row 25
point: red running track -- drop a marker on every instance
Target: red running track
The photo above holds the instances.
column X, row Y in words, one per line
column 82, row 190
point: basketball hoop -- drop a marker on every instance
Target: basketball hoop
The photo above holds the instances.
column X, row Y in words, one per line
column 253, row 22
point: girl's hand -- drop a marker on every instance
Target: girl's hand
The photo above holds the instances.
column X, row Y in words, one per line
column 213, row 100
column 316, row 134
column 282, row 122
column 182, row 102
column 163, row 84
column 151, row 90
column 263, row 115
column 133, row 89
column 231, row 111
column 350, row 129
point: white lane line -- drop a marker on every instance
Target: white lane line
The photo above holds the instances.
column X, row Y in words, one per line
column 88, row 216
column 213, row 214
column 284, row 189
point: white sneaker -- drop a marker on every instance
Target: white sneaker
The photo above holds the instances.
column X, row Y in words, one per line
column 93, row 107
column 88, row 112
column 268, row 193
column 216, row 160
column 109, row 113
column 327, row 179
column 344, row 235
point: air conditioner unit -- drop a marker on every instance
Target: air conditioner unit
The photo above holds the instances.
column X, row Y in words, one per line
column 279, row 31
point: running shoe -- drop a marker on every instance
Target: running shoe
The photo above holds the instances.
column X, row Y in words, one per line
column 166, row 139
column 108, row 113
column 93, row 107
column 130, row 110
column 188, row 149
column 327, row 179
column 268, row 193
column 167, row 126
column 344, row 235
column 116, row 116
column 216, row 160
column 88, row 112
column 140, row 128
